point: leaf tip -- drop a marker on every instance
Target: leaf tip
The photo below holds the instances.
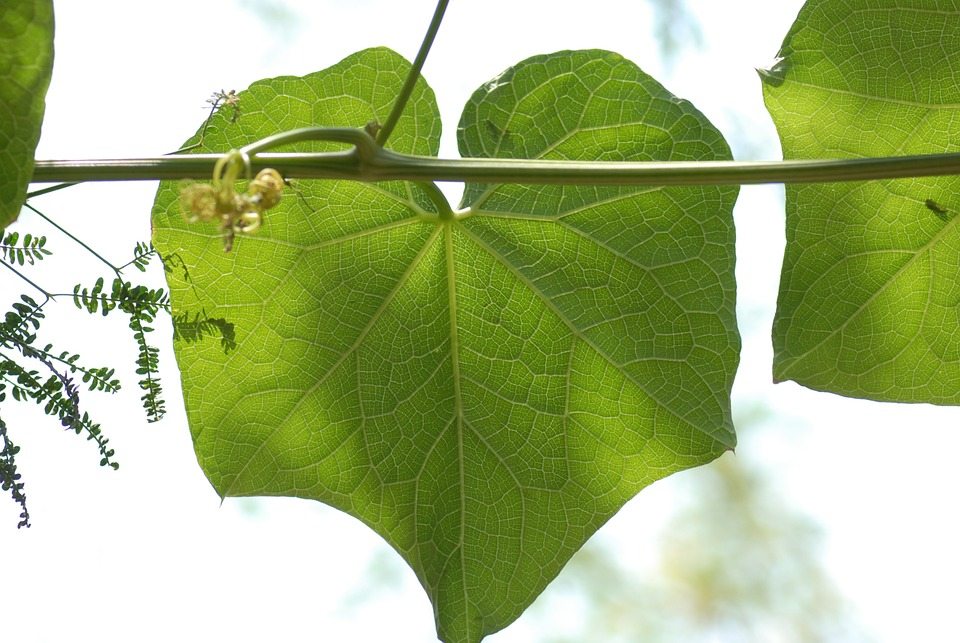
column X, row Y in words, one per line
column 776, row 73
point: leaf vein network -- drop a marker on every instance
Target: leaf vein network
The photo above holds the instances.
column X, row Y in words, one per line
column 353, row 347
column 579, row 334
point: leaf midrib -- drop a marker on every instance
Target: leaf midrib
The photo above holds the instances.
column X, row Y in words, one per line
column 458, row 402
column 871, row 97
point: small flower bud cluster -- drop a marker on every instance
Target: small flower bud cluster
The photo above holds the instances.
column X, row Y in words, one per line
column 236, row 213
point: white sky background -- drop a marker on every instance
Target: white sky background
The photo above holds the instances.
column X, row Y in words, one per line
column 148, row 554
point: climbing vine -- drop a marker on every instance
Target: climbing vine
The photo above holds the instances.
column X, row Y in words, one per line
column 485, row 384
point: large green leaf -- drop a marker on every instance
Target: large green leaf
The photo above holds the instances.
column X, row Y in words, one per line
column 869, row 294
column 26, row 62
column 484, row 392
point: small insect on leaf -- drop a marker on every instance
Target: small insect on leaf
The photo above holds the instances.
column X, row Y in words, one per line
column 937, row 209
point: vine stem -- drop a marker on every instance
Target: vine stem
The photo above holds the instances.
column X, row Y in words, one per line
column 411, row 81
column 367, row 161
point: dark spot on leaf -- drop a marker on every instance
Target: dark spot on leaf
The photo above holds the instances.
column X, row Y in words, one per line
column 938, row 209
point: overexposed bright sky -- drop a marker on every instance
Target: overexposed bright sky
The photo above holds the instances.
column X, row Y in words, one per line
column 148, row 553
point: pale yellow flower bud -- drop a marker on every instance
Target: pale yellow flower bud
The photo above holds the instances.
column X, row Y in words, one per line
column 268, row 185
column 199, row 202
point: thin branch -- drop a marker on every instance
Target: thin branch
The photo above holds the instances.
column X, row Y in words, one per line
column 414, row 74
column 29, row 281
column 113, row 300
column 67, row 232
column 52, row 188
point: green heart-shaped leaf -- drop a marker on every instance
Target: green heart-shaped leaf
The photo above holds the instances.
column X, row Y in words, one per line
column 26, row 62
column 484, row 391
column 869, row 293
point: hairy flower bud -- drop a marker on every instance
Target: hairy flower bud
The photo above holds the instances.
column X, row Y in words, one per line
column 268, row 185
column 199, row 202
column 236, row 213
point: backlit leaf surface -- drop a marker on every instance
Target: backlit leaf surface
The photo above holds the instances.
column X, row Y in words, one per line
column 484, row 392
column 26, row 62
column 869, row 302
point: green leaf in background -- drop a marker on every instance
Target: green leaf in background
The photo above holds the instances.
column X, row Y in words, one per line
column 485, row 391
column 26, row 62
column 869, row 302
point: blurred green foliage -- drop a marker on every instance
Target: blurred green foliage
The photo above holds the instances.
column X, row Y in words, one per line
column 738, row 561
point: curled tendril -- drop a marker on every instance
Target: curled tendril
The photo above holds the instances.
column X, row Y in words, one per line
column 219, row 202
